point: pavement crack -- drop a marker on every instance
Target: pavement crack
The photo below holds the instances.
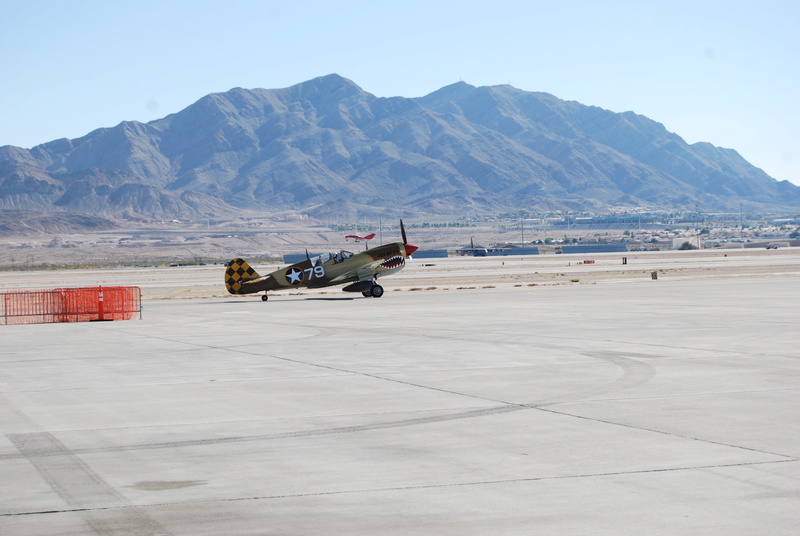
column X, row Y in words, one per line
column 671, row 434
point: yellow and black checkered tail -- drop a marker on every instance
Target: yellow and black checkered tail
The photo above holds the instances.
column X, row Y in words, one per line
column 237, row 272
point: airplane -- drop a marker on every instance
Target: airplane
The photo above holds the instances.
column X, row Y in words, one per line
column 361, row 270
column 472, row 250
column 357, row 238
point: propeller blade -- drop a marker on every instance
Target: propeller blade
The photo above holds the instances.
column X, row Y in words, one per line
column 408, row 247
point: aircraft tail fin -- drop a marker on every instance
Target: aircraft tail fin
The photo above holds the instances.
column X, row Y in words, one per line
column 238, row 272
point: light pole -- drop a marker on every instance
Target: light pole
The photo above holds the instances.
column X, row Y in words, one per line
column 741, row 222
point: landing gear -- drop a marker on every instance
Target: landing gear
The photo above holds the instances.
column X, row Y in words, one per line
column 376, row 291
column 264, row 297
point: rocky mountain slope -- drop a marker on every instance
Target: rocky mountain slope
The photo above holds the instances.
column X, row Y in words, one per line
column 327, row 148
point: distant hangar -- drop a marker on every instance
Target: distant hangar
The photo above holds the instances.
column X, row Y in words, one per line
column 497, row 251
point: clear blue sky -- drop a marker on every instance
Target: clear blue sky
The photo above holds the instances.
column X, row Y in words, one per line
column 725, row 72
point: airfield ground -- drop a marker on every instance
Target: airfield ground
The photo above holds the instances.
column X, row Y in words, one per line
column 532, row 395
column 452, row 273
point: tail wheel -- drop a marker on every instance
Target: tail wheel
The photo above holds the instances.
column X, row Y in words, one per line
column 376, row 291
column 264, row 297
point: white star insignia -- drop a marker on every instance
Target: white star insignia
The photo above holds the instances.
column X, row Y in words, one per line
column 294, row 276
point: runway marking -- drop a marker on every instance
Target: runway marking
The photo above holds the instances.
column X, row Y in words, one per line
column 104, row 509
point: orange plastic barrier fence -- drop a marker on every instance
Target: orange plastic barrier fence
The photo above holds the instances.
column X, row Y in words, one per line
column 70, row 305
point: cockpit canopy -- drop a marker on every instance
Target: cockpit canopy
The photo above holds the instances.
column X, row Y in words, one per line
column 335, row 258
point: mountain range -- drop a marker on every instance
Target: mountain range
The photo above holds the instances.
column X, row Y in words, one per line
column 327, row 148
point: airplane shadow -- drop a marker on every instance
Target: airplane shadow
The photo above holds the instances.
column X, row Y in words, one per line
column 296, row 298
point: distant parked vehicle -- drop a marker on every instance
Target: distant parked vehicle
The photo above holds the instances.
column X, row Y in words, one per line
column 772, row 246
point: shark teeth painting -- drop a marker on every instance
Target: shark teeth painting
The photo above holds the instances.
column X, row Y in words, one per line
column 393, row 262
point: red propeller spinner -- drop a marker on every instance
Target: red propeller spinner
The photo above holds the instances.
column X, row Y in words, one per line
column 410, row 249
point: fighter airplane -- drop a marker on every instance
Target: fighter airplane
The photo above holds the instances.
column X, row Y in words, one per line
column 361, row 270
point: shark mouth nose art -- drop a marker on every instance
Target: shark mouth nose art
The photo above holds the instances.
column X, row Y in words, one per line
column 393, row 262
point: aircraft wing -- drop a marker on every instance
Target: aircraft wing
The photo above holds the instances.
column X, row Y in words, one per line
column 365, row 272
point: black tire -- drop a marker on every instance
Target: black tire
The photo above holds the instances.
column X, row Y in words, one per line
column 366, row 294
column 376, row 291
column 264, row 297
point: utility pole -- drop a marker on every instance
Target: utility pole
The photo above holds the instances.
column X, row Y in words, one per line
column 741, row 222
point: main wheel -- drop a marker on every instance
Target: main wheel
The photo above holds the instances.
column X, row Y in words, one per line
column 264, row 297
column 366, row 294
column 376, row 291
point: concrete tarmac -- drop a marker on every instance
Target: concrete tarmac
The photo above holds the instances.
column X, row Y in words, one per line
column 648, row 407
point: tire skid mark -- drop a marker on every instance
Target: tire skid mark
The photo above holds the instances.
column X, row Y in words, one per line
column 634, row 371
column 45, row 453
column 82, row 489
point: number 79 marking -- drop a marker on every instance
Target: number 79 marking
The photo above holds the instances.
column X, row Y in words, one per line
column 315, row 271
